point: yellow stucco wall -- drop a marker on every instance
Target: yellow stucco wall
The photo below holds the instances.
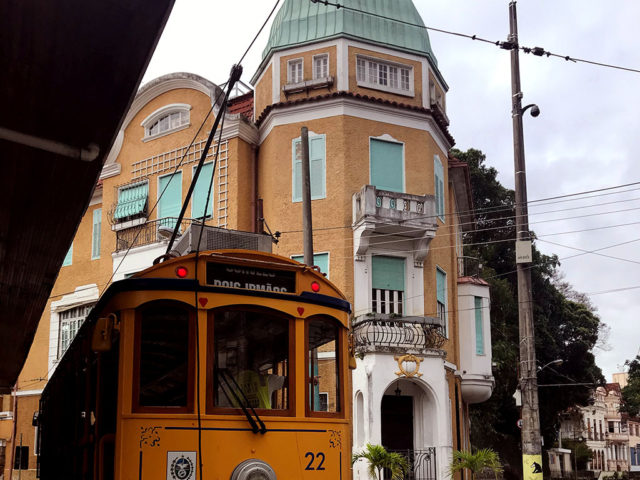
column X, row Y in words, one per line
column 307, row 71
column 263, row 92
column 347, row 167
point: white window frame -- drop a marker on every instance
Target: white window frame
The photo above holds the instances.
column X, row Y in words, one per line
column 83, row 295
column 122, row 224
column 296, row 61
column 213, row 188
column 317, row 58
column 183, row 109
column 369, row 75
column 96, row 246
column 78, row 320
column 388, row 138
column 441, row 204
column 293, row 166
column 324, row 252
column 446, row 300
column 159, row 190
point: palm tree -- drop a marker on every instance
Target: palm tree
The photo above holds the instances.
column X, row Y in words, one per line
column 476, row 462
column 379, row 459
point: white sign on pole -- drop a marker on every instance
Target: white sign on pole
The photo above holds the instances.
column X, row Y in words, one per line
column 523, row 251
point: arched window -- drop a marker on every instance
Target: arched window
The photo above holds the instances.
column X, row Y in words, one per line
column 165, row 120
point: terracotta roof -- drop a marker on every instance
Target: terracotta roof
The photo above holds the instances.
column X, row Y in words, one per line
column 613, row 386
column 437, row 116
column 474, row 280
column 242, row 105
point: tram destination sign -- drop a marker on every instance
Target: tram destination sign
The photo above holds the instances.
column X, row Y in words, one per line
column 251, row 278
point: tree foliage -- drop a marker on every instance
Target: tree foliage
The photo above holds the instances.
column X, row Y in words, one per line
column 476, row 462
column 631, row 393
column 380, row 459
column 566, row 325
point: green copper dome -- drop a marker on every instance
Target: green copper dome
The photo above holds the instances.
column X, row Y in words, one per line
column 301, row 22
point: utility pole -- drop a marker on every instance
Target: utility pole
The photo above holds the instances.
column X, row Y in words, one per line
column 307, row 229
column 531, row 443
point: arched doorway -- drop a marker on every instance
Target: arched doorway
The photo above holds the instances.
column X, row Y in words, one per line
column 396, row 416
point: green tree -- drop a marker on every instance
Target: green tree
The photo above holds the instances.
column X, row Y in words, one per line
column 580, row 450
column 380, row 459
column 566, row 326
column 476, row 462
column 631, row 393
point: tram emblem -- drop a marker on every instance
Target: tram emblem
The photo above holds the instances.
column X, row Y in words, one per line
column 181, row 465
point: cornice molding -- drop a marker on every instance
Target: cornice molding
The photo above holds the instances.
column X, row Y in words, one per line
column 350, row 106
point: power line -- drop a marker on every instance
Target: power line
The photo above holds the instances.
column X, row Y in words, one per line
column 505, row 45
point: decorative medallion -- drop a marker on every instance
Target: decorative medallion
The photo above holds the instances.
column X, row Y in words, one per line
column 409, row 365
column 406, row 205
column 392, row 203
column 378, row 202
column 335, row 440
column 150, row 436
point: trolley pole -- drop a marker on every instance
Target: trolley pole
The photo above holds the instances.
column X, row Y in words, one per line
column 307, row 228
column 531, row 444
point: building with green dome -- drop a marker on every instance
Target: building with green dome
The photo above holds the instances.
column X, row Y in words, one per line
column 389, row 206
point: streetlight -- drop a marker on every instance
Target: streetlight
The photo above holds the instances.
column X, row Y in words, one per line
column 557, row 362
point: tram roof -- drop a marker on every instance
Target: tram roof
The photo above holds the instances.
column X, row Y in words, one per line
column 71, row 70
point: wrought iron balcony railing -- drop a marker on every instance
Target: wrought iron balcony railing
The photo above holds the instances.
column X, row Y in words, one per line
column 148, row 233
column 388, row 333
column 422, row 464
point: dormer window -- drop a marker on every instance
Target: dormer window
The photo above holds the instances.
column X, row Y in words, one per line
column 165, row 120
column 295, row 71
column 383, row 75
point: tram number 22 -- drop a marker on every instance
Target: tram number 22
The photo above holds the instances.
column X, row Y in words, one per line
column 312, row 457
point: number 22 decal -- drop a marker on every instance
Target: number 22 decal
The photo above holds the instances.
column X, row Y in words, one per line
column 312, row 457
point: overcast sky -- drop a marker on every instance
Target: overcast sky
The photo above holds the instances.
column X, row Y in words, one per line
column 586, row 137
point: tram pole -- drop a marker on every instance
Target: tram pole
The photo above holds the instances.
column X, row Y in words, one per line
column 307, row 226
column 531, row 442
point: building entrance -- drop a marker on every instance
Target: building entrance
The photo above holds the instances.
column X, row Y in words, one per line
column 397, row 422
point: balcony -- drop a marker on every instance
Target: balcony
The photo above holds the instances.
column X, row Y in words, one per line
column 617, row 466
column 617, row 437
column 422, row 464
column 394, row 334
column 148, row 233
column 402, row 215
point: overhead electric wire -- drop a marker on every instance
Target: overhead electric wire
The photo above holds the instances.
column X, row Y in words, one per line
column 510, row 207
column 537, row 51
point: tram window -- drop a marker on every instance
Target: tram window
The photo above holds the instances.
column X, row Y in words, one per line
column 251, row 359
column 323, row 373
column 163, row 341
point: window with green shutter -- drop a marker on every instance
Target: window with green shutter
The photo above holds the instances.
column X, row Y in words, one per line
column 170, row 201
column 479, row 326
column 132, row 202
column 95, row 239
column 387, row 165
column 439, row 186
column 200, row 192
column 441, row 298
column 68, row 257
column 387, row 283
column 321, row 260
column 317, row 167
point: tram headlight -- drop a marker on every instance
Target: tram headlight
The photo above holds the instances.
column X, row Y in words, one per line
column 253, row 469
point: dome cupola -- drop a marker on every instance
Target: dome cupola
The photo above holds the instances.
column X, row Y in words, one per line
column 301, row 22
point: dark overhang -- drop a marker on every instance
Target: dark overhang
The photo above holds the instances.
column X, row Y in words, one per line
column 70, row 71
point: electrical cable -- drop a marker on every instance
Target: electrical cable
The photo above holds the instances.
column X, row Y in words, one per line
column 537, row 51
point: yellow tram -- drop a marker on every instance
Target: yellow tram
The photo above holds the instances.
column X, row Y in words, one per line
column 232, row 362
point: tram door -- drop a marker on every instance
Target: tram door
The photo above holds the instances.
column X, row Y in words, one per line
column 397, row 422
column 106, row 413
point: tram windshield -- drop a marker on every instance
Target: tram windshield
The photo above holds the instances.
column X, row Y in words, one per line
column 252, row 347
